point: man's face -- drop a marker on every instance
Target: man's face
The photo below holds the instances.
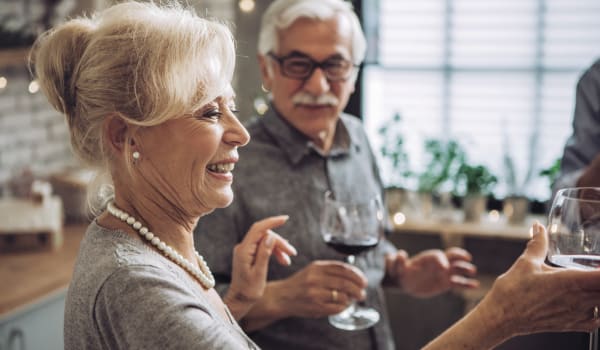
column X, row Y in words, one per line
column 299, row 101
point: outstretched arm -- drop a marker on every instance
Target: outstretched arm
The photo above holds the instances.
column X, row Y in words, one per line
column 530, row 297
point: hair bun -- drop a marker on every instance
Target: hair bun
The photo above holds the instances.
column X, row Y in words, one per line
column 62, row 49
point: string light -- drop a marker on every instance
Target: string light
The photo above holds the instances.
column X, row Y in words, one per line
column 246, row 5
column 494, row 215
column 33, row 87
column 399, row 218
column 260, row 105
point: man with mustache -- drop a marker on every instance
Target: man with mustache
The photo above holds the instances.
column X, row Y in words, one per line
column 309, row 53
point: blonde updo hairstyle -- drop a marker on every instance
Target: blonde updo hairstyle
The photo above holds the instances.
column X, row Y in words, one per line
column 143, row 62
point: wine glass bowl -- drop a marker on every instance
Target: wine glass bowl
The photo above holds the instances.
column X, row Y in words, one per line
column 574, row 232
column 574, row 228
column 351, row 228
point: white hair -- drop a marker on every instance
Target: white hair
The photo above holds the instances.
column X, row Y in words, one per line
column 281, row 14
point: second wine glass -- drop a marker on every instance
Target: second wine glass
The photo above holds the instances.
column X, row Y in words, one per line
column 574, row 234
column 352, row 228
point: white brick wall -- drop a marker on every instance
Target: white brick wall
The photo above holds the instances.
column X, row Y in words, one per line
column 32, row 134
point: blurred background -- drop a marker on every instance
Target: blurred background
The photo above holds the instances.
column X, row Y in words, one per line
column 497, row 77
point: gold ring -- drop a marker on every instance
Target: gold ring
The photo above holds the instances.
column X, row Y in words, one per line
column 595, row 313
column 334, row 296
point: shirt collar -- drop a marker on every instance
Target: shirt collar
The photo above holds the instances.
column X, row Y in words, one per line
column 297, row 145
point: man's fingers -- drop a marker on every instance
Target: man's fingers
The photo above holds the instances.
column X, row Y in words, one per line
column 463, row 282
column 455, row 253
column 343, row 270
column 463, row 268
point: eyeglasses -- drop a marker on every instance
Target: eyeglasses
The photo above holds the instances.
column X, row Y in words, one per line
column 298, row 66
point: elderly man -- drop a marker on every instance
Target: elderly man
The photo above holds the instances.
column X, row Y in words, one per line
column 309, row 53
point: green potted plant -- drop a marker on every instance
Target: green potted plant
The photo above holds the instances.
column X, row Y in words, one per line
column 516, row 201
column 515, row 205
column 445, row 157
column 396, row 159
column 442, row 160
column 475, row 183
column 551, row 172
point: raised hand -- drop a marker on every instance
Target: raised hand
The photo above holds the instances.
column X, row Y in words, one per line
column 431, row 272
column 251, row 262
column 556, row 299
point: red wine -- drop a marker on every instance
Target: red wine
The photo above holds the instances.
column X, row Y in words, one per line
column 353, row 246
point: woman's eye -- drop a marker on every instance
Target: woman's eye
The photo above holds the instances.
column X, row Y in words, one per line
column 233, row 109
column 212, row 114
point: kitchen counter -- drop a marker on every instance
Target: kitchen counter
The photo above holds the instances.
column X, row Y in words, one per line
column 453, row 229
column 31, row 277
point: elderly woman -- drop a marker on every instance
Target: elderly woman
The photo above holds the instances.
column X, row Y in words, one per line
column 146, row 93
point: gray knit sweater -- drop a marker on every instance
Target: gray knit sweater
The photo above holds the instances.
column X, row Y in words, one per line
column 124, row 295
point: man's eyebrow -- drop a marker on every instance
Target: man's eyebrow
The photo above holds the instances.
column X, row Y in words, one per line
column 295, row 53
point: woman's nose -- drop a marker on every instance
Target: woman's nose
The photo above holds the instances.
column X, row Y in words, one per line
column 236, row 134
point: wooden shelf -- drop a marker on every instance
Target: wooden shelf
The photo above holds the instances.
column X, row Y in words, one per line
column 14, row 57
column 28, row 277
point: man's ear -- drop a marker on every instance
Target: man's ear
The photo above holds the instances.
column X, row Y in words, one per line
column 265, row 71
column 115, row 132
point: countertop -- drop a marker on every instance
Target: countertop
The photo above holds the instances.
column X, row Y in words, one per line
column 453, row 229
column 33, row 276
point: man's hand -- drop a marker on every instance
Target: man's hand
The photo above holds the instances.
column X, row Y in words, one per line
column 431, row 272
column 325, row 287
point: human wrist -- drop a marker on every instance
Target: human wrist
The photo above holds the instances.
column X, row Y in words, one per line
column 494, row 325
column 274, row 301
column 237, row 303
column 267, row 310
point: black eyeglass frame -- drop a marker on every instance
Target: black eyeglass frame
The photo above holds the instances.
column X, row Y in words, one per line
column 323, row 65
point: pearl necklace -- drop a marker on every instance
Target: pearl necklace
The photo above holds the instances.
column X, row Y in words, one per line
column 202, row 274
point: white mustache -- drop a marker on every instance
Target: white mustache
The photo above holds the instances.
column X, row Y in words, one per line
column 303, row 98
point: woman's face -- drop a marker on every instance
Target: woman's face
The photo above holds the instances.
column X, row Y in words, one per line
column 188, row 161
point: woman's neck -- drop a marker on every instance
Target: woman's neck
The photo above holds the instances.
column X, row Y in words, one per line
column 170, row 225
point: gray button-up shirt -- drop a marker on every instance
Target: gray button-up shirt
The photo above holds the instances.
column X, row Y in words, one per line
column 583, row 146
column 281, row 172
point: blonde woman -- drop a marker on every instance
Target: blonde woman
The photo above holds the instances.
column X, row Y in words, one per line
column 146, row 93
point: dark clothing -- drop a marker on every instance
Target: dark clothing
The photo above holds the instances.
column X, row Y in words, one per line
column 584, row 144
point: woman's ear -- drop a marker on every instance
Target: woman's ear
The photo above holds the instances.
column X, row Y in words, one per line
column 115, row 132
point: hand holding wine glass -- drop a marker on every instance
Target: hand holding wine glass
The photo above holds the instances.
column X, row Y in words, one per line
column 352, row 228
column 574, row 233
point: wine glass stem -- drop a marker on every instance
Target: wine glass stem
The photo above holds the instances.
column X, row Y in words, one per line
column 594, row 340
column 350, row 259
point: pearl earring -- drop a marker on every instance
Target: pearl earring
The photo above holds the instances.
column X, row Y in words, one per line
column 136, row 156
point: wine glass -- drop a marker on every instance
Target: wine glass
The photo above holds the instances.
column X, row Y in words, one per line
column 574, row 233
column 352, row 228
